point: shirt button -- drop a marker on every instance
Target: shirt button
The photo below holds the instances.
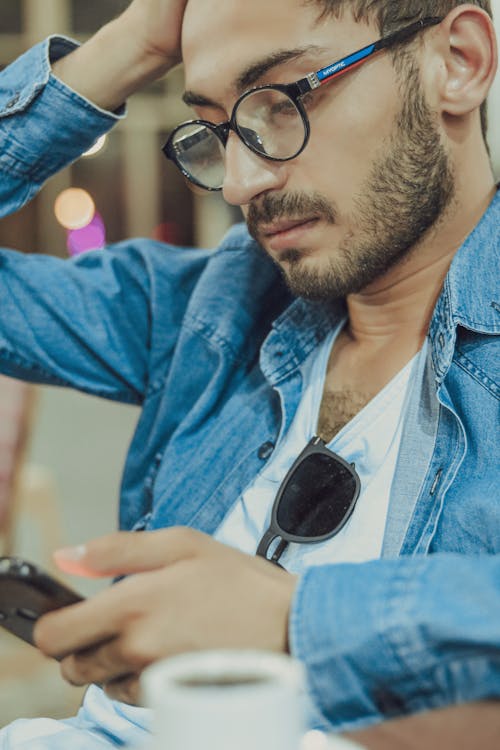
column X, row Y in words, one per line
column 12, row 102
column 265, row 450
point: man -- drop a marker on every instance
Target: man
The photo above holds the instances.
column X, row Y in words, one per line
column 372, row 200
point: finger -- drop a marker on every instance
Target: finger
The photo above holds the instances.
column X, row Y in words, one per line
column 109, row 613
column 131, row 552
column 72, row 560
column 126, row 690
column 98, row 664
column 90, row 622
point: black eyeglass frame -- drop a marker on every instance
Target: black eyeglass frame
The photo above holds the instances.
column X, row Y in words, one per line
column 295, row 91
column 314, row 447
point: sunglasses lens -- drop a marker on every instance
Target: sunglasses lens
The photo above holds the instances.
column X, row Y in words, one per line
column 318, row 498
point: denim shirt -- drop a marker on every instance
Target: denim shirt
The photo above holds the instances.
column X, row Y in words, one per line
column 209, row 343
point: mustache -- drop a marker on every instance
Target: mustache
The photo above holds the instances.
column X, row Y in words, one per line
column 294, row 206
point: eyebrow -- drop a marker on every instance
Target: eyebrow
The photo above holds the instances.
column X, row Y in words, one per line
column 251, row 74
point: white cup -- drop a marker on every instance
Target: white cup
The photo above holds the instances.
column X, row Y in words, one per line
column 226, row 700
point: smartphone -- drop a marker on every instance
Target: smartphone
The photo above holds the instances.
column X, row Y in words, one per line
column 27, row 593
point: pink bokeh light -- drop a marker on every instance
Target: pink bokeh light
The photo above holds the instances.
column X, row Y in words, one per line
column 91, row 237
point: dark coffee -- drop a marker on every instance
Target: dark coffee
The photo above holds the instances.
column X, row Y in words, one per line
column 223, row 681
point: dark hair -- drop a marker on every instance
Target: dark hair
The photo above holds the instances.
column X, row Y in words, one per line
column 392, row 14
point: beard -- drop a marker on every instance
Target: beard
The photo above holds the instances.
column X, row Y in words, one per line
column 410, row 185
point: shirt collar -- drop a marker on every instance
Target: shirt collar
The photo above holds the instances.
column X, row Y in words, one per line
column 295, row 334
column 471, row 292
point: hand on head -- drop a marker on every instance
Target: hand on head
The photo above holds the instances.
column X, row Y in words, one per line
column 158, row 24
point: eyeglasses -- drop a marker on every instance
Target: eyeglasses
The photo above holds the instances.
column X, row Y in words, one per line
column 270, row 120
column 314, row 501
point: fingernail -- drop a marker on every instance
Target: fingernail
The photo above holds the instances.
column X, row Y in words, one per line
column 71, row 553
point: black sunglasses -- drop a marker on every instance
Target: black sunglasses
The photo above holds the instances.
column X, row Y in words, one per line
column 314, row 501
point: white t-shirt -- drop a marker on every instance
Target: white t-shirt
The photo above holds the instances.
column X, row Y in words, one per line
column 371, row 441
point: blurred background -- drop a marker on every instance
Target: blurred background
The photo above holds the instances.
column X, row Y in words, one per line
column 61, row 453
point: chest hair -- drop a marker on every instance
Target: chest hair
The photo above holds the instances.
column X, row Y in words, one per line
column 337, row 409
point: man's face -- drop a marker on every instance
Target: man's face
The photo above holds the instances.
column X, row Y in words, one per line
column 374, row 175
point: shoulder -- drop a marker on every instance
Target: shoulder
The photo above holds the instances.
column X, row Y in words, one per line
column 235, row 280
column 236, row 246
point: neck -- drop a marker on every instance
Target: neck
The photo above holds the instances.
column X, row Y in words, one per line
column 401, row 303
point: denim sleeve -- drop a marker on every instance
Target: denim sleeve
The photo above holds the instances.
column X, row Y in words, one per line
column 106, row 322
column 44, row 124
column 85, row 323
column 392, row 637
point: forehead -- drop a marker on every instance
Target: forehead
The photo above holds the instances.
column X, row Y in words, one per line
column 222, row 40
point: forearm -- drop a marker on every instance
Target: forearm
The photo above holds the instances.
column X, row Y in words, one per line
column 57, row 99
column 44, row 124
column 111, row 66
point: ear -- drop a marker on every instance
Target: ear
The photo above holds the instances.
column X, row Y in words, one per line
column 470, row 57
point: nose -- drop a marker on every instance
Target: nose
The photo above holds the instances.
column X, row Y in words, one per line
column 248, row 175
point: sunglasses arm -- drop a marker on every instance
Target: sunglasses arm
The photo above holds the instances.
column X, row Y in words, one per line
column 266, row 542
column 279, row 551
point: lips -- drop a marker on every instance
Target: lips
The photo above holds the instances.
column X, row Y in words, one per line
column 280, row 227
column 293, row 234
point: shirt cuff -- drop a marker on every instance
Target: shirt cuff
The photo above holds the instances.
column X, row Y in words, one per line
column 45, row 124
column 348, row 625
column 393, row 637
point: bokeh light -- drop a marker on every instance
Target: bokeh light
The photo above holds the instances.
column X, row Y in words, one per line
column 90, row 237
column 74, row 208
column 97, row 147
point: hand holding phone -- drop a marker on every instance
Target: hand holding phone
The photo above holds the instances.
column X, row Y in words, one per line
column 27, row 593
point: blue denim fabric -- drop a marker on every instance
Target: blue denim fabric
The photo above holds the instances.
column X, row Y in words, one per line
column 209, row 344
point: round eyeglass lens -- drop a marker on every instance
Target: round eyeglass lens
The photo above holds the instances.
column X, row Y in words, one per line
column 270, row 124
column 200, row 154
column 318, row 498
